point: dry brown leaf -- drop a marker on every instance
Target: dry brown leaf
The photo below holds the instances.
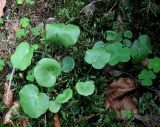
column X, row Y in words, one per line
column 2, row 5
column 7, row 101
column 56, row 120
column 14, row 110
column 116, row 95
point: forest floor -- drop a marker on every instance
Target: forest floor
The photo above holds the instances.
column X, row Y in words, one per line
column 94, row 18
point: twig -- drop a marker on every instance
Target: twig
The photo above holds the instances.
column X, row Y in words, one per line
column 56, row 120
column 85, row 118
column 10, row 82
column 45, row 123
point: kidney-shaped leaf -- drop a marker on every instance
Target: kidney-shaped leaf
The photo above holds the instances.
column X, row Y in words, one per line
column 113, row 36
column 85, row 88
column 22, row 57
column 33, row 102
column 66, row 35
column 65, row 96
column 54, row 106
column 154, row 64
column 118, row 53
column 68, row 64
column 46, row 72
column 97, row 57
column 146, row 77
column 141, row 48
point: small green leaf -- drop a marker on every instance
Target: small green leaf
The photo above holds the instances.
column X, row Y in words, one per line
column 68, row 64
column 127, row 43
column 24, row 22
column 30, row 75
column 127, row 114
column 66, row 35
column 128, row 34
column 97, row 57
column 35, row 46
column 85, row 88
column 1, row 21
column 22, row 57
column 99, row 44
column 65, row 96
column 146, row 77
column 118, row 53
column 141, row 48
column 35, row 31
column 1, row 64
column 54, row 106
column 20, row 33
column 154, row 64
column 33, row 102
column 20, row 1
column 113, row 36
column 46, row 72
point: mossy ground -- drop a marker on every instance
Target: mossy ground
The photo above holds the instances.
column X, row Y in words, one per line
column 93, row 21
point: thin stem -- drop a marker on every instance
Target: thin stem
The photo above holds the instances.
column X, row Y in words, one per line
column 10, row 82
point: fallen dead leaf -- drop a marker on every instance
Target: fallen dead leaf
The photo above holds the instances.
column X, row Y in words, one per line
column 2, row 5
column 56, row 120
column 7, row 101
column 117, row 99
column 14, row 110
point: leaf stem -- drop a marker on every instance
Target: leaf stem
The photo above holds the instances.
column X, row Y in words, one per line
column 10, row 82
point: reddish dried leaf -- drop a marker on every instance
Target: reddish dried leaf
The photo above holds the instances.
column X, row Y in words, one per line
column 14, row 110
column 7, row 101
column 2, row 5
column 56, row 120
column 116, row 95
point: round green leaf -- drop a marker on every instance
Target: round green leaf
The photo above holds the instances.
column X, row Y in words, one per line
column 46, row 72
column 54, row 106
column 141, row 48
column 97, row 57
column 33, row 102
column 127, row 43
column 66, row 35
column 24, row 22
column 65, row 96
column 68, row 64
column 128, row 34
column 118, row 53
column 113, row 36
column 22, row 57
column 146, row 77
column 85, row 88
column 154, row 64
